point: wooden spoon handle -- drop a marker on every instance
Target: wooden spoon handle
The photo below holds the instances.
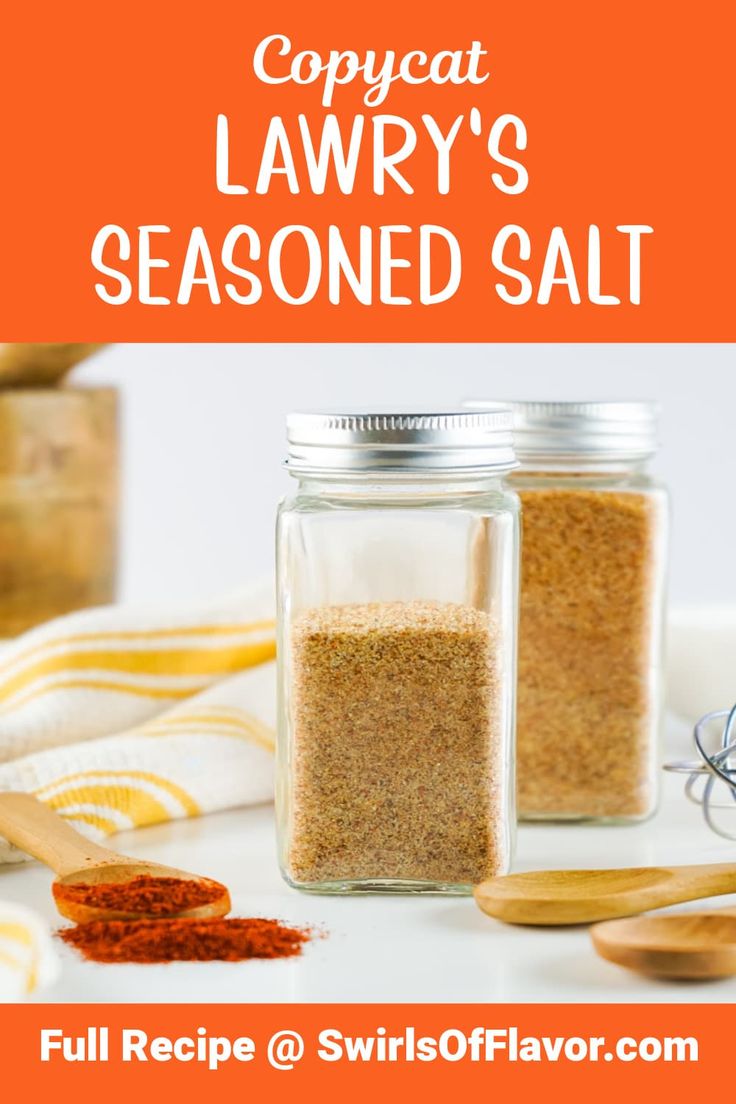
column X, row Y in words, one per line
column 42, row 833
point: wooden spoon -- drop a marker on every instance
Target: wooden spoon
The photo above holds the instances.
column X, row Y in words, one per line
column 582, row 896
column 675, row 945
column 41, row 832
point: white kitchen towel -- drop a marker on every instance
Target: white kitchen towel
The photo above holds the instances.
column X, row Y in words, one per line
column 104, row 670
column 27, row 958
column 117, row 726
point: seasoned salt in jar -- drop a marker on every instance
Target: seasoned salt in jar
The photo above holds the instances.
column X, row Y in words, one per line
column 397, row 581
column 593, row 572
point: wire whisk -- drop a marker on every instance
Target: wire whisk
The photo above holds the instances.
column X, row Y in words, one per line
column 705, row 773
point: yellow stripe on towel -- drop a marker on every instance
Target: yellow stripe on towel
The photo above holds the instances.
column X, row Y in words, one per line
column 124, row 798
column 142, row 807
column 103, row 824
column 30, row 969
column 243, row 629
column 193, row 724
column 11, row 961
column 19, row 933
column 98, row 684
column 173, row 661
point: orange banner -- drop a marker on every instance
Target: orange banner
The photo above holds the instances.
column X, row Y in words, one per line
column 329, row 172
column 115, row 1053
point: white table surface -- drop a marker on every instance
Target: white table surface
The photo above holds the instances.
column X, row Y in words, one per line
column 389, row 949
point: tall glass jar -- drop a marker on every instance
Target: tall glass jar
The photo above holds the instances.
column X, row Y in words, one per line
column 397, row 582
column 593, row 573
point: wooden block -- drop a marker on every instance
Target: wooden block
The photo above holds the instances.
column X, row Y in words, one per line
column 58, row 502
column 41, row 364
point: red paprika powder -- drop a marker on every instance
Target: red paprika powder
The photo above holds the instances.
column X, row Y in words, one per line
column 153, row 895
column 182, row 940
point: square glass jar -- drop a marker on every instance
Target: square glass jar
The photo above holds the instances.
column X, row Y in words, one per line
column 397, row 582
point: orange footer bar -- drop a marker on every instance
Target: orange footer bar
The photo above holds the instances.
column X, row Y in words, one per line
column 113, row 1052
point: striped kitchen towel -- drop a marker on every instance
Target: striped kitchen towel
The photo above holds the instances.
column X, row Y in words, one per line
column 119, row 719
column 27, row 958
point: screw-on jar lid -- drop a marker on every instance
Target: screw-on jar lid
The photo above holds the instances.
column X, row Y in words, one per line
column 595, row 431
column 469, row 442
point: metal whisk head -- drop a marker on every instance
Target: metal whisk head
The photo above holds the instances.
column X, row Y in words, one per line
column 712, row 769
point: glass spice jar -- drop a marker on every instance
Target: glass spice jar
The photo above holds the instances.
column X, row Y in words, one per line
column 593, row 570
column 397, row 592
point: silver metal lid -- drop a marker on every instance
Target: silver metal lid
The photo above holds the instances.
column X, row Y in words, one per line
column 595, row 431
column 458, row 442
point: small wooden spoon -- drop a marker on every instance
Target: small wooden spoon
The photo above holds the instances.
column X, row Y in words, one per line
column 675, row 945
column 582, row 896
column 41, row 832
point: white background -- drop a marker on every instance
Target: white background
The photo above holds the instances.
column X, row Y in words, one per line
column 204, row 440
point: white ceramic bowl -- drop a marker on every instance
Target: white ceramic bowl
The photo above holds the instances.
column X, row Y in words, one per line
column 701, row 660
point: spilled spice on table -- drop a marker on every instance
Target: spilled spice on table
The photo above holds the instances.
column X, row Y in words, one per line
column 182, row 940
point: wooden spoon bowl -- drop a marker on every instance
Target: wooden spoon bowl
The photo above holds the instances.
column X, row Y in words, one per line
column 120, row 870
column 674, row 945
column 75, row 860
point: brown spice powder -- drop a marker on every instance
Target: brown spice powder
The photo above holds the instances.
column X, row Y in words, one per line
column 398, row 764
column 587, row 706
